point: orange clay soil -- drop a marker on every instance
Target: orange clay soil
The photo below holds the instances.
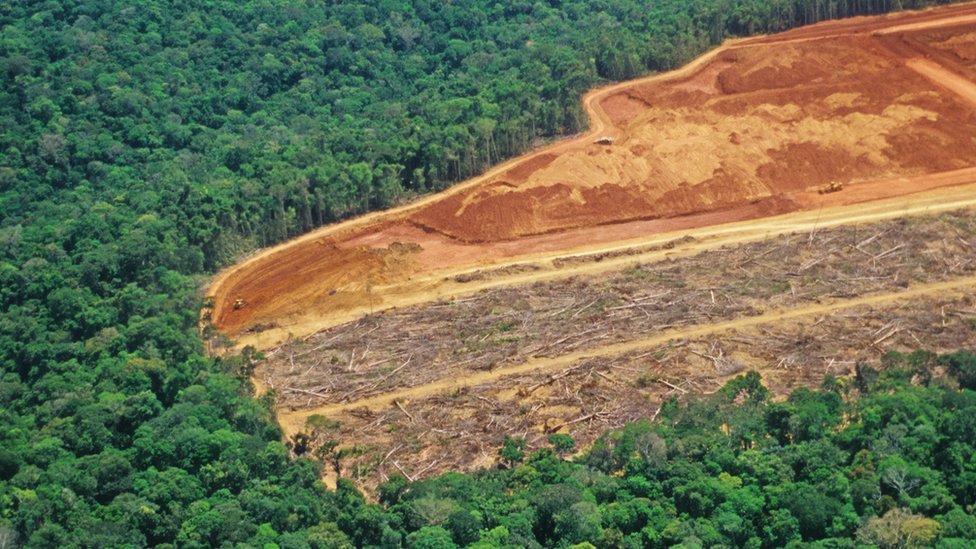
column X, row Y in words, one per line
column 884, row 105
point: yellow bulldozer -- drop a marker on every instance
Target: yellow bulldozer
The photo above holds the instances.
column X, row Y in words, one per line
column 831, row 187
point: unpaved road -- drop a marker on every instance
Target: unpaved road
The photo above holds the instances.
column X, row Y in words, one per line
column 293, row 422
column 945, row 78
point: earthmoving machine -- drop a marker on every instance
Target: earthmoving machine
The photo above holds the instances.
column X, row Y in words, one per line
column 831, row 187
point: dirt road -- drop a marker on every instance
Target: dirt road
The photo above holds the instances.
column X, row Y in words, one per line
column 953, row 82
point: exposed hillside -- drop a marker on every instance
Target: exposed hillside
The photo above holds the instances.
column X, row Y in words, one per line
column 835, row 114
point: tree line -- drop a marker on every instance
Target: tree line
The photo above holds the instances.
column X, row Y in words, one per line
column 252, row 123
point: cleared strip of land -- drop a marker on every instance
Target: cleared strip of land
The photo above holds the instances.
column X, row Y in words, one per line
column 459, row 427
column 544, row 325
column 543, row 365
column 465, row 281
column 437, row 386
column 792, row 204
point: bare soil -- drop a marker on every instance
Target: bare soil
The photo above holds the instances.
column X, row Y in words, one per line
column 753, row 129
column 753, row 123
column 577, row 287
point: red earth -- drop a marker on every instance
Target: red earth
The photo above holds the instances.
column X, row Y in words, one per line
column 880, row 107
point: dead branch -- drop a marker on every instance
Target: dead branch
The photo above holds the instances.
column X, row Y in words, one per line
column 570, row 336
column 585, row 307
column 656, row 412
column 893, row 331
column 402, row 409
column 606, row 377
column 812, row 263
column 552, row 378
column 888, row 252
column 756, row 257
column 402, row 472
column 867, row 241
column 391, row 374
column 490, row 402
column 304, row 391
column 559, row 426
column 638, row 302
column 672, row 385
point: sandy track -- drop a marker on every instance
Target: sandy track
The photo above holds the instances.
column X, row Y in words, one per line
column 300, row 309
column 945, row 78
column 890, row 23
column 294, row 421
column 934, row 23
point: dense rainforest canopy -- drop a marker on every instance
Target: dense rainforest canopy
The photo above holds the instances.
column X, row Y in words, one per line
column 146, row 143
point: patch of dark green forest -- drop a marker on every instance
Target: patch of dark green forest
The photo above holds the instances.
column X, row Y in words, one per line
column 143, row 144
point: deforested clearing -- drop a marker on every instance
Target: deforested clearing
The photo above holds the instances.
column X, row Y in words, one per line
column 441, row 384
column 792, row 204
column 834, row 115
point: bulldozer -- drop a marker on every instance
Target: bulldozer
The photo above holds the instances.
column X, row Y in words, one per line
column 831, row 187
